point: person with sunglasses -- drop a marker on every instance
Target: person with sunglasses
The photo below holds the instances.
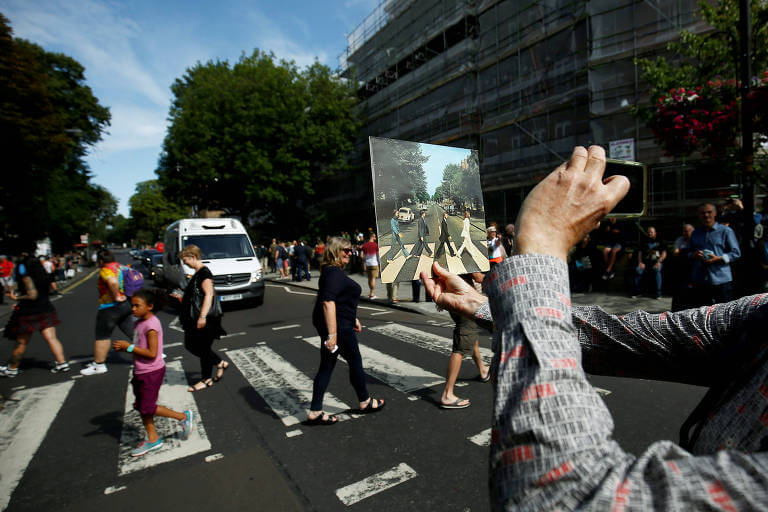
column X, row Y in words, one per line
column 335, row 318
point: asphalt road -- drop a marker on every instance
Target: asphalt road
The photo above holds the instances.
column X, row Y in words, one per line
column 255, row 453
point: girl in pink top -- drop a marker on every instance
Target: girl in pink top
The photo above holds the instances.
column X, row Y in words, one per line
column 149, row 370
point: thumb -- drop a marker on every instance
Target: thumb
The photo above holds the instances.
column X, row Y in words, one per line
column 616, row 187
column 439, row 271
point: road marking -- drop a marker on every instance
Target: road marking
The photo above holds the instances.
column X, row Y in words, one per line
column 285, row 327
column 398, row 374
column 113, row 489
column 241, row 333
column 18, row 388
column 175, row 325
column 425, row 263
column 78, row 376
column 370, row 309
column 413, row 398
column 68, row 288
column 171, row 345
column 178, row 357
column 391, row 269
column 287, row 391
column 215, row 456
column 24, row 423
column 374, row 484
column 80, row 360
column 482, row 439
column 454, row 263
column 602, row 391
column 423, row 339
column 293, row 433
column 298, row 337
column 173, row 394
column 381, row 313
column 288, row 289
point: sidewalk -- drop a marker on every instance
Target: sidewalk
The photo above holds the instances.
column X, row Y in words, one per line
column 61, row 286
column 610, row 302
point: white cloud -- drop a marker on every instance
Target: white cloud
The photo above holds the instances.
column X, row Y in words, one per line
column 268, row 37
column 134, row 128
column 100, row 37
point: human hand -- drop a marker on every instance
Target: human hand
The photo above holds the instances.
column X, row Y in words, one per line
column 120, row 345
column 451, row 292
column 201, row 322
column 358, row 327
column 568, row 204
column 641, row 265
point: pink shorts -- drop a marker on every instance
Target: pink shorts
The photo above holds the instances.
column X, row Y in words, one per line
column 146, row 388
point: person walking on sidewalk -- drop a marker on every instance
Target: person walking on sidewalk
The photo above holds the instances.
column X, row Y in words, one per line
column 114, row 311
column 34, row 312
column 466, row 342
column 149, row 370
column 201, row 318
column 335, row 318
column 371, row 263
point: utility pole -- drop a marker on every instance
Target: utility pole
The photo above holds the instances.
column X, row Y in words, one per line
column 747, row 151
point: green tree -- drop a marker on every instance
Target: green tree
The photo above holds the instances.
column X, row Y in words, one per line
column 151, row 211
column 400, row 177
column 697, row 80
column 254, row 138
column 48, row 119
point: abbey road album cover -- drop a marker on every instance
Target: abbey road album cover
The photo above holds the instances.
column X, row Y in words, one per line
column 429, row 206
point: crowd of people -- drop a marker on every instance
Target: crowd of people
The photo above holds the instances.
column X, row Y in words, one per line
column 551, row 438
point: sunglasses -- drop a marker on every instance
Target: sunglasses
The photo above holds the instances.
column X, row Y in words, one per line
column 347, row 250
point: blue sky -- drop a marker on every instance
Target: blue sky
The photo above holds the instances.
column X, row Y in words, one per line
column 133, row 50
column 439, row 157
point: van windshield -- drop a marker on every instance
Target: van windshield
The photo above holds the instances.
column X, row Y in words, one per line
column 216, row 247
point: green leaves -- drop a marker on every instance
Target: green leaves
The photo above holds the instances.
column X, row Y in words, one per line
column 256, row 136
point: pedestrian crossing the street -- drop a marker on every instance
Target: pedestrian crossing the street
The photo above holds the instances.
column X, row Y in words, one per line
column 174, row 395
column 400, row 268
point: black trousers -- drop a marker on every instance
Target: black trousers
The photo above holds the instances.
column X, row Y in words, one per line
column 199, row 342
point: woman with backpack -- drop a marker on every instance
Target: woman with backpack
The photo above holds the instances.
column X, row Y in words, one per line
column 33, row 313
column 114, row 311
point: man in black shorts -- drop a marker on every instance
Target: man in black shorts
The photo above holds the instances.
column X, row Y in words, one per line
column 114, row 311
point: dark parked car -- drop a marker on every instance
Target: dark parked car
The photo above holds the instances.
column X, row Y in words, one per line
column 156, row 268
column 146, row 257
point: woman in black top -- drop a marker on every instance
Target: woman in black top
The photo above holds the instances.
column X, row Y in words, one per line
column 34, row 313
column 199, row 329
column 335, row 318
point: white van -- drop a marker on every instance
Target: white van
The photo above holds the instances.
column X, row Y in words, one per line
column 227, row 252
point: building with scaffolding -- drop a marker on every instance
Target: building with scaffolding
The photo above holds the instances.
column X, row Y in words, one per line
column 524, row 82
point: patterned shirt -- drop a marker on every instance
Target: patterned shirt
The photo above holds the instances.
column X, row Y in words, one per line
column 551, row 443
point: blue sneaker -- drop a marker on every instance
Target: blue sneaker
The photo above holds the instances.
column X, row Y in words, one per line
column 146, row 446
column 187, row 424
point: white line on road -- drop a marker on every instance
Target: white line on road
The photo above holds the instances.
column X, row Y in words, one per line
column 288, row 289
column 80, row 360
column 287, row 391
column 241, row 333
column 18, row 388
column 77, row 376
column 427, row 340
column 293, row 433
column 173, row 394
column 285, row 327
column 398, row 374
column 24, row 423
column 175, row 325
column 381, row 313
column 171, row 345
column 413, row 398
column 370, row 308
column 482, row 439
column 215, row 456
column 602, row 391
column 374, row 484
column 114, row 488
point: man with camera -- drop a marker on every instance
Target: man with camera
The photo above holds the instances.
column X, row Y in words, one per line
column 551, row 444
column 713, row 248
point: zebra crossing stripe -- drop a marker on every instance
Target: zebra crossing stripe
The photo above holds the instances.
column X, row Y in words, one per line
column 425, row 263
column 374, row 484
column 173, row 394
column 24, row 422
column 286, row 390
column 423, row 339
column 398, row 374
column 454, row 263
column 482, row 439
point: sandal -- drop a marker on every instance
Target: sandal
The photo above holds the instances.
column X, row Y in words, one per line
column 370, row 409
column 198, row 387
column 220, row 370
column 329, row 419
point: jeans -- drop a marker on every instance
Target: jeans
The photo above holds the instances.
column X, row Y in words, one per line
column 302, row 270
column 639, row 272
column 347, row 343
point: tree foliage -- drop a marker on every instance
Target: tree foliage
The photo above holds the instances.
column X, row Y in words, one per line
column 151, row 211
column 254, row 138
column 694, row 93
column 400, row 177
column 461, row 183
column 48, row 119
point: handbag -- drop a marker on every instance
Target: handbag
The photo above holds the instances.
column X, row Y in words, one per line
column 197, row 304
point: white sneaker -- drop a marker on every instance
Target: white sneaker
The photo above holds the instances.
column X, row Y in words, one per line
column 94, row 369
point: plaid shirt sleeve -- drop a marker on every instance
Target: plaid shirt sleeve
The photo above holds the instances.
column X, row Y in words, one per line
column 551, row 443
